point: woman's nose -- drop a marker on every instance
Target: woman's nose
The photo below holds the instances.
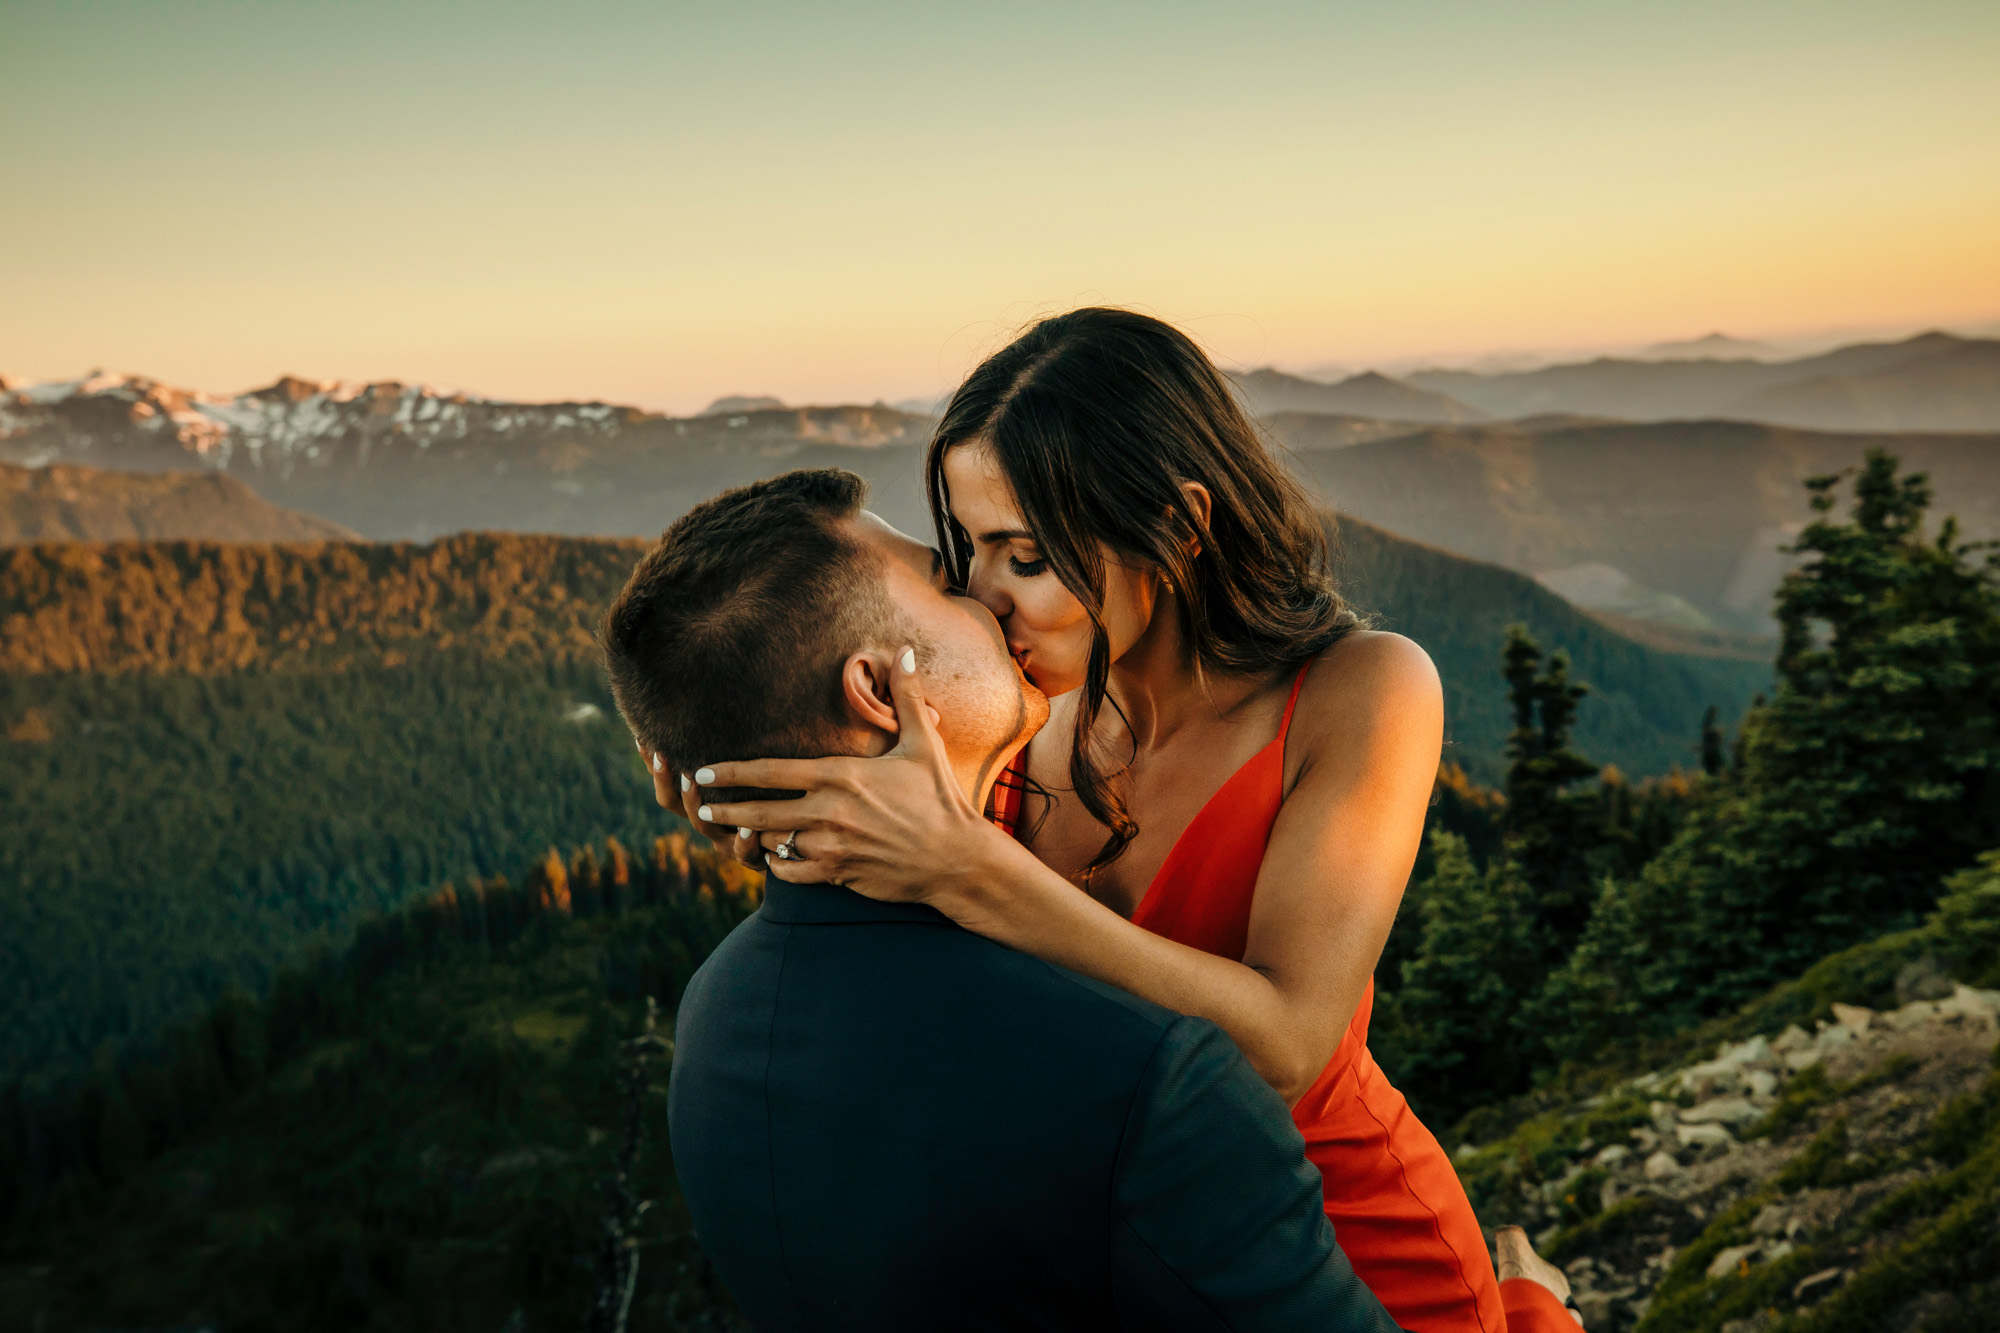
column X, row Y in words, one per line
column 990, row 594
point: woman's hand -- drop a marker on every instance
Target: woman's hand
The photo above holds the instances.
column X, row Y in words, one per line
column 738, row 843
column 898, row 828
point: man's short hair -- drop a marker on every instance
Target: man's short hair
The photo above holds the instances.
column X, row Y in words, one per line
column 727, row 641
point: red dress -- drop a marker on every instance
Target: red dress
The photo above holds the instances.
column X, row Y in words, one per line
column 1397, row 1207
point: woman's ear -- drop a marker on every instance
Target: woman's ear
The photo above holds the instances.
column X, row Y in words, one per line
column 864, row 684
column 1203, row 504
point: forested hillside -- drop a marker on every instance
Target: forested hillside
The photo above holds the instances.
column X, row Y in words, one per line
column 215, row 755
column 1646, row 705
column 418, row 1132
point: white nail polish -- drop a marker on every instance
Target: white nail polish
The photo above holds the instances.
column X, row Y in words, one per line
column 909, row 661
column 658, row 764
column 742, row 832
column 685, row 784
column 705, row 815
column 704, row 776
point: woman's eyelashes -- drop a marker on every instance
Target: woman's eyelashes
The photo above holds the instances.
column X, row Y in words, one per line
column 1026, row 569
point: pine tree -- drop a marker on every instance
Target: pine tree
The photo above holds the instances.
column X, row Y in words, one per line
column 1550, row 828
column 1712, row 757
column 1872, row 773
column 1449, row 1034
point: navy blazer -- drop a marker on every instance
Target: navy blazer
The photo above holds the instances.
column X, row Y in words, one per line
column 883, row 1122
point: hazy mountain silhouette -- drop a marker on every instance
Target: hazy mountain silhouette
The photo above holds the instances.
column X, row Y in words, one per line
column 1932, row 382
column 65, row 503
column 1368, row 394
column 736, row 404
column 1713, row 346
column 1693, row 511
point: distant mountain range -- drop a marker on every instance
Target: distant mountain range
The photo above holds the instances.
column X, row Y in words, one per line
column 1708, row 347
column 396, row 461
column 1266, row 392
column 1652, row 520
column 1932, row 382
column 1676, row 523
column 65, row 503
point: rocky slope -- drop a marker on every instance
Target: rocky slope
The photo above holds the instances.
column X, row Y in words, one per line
column 65, row 503
column 1824, row 1165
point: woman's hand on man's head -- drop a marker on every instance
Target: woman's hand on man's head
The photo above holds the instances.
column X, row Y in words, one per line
column 676, row 791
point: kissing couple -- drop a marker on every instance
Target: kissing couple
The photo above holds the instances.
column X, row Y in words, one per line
column 1085, row 829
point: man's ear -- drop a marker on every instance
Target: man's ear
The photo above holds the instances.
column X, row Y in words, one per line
column 864, row 683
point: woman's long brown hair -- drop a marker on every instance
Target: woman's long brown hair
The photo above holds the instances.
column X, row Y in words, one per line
column 1098, row 418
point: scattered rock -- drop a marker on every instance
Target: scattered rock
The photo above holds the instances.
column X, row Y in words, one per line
column 1761, row 1083
column 1771, row 1220
column 1755, row 1323
column 1793, row 1038
column 1853, row 1017
column 1912, row 1015
column 1924, row 979
column 1721, row 1111
column 1665, row 1116
column 1797, row 1060
column 1704, row 1136
column 1662, row 1166
column 1731, row 1260
column 1982, row 1006
column 1612, row 1155
column 1818, row 1284
column 1755, row 1051
column 1598, row 1308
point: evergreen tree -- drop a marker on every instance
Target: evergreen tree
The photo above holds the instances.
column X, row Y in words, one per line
column 1871, row 774
column 1449, row 1034
column 1712, row 757
column 1550, row 828
column 1456, row 1025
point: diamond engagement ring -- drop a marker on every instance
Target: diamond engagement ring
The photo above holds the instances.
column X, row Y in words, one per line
column 785, row 851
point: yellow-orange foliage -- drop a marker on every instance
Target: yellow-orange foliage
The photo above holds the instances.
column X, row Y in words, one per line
column 209, row 607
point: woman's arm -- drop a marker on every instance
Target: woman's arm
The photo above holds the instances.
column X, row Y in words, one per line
column 1368, row 728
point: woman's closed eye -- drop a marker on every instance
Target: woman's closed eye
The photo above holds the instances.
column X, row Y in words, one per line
column 1026, row 569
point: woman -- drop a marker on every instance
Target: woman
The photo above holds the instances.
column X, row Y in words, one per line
column 1234, row 774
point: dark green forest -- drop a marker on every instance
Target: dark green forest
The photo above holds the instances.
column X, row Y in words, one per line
column 163, row 836
column 423, row 1130
column 214, row 756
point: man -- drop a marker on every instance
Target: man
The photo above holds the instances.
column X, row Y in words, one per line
column 881, row 1121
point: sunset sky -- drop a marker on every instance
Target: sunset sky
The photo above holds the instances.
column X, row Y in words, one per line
column 660, row 203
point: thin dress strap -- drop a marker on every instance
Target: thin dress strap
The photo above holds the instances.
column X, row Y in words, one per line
column 1293, row 702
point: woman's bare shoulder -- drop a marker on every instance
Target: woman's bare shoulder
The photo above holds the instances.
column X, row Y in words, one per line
column 1370, row 687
